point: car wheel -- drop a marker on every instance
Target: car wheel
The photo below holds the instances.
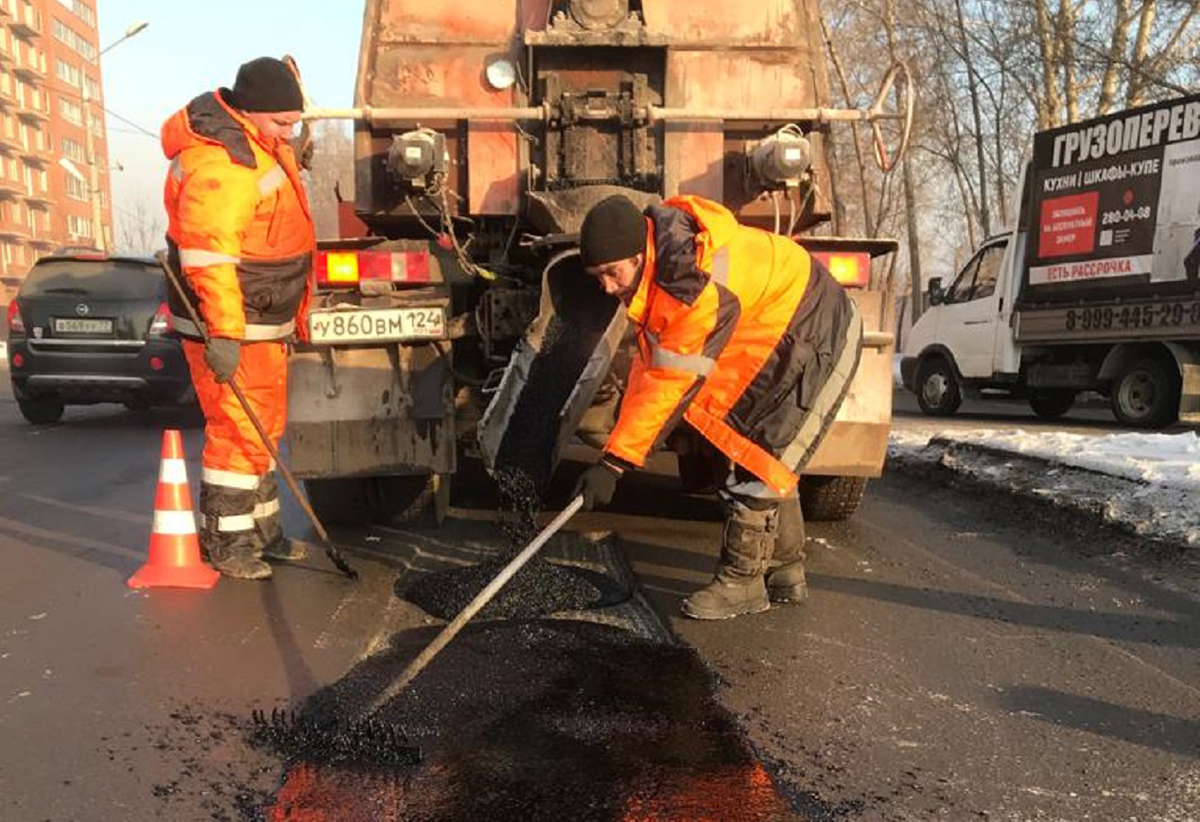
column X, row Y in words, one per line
column 41, row 410
column 1146, row 395
column 938, row 393
column 830, row 499
column 1050, row 405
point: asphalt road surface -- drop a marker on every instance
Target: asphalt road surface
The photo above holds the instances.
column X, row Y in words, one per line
column 960, row 657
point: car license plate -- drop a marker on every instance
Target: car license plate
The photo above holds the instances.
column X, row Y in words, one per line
column 74, row 325
column 377, row 325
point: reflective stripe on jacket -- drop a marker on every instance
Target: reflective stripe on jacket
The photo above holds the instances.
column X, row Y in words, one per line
column 741, row 334
column 239, row 226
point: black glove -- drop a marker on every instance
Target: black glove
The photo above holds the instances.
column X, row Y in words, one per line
column 222, row 356
column 597, row 485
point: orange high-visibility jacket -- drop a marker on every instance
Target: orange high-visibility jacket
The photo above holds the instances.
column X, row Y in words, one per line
column 239, row 225
column 742, row 334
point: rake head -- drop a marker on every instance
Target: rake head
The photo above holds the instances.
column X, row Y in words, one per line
column 369, row 741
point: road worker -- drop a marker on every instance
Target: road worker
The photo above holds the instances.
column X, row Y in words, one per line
column 241, row 234
column 750, row 341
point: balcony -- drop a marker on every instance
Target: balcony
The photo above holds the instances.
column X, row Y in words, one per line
column 10, row 189
column 26, row 24
column 39, row 201
column 30, row 73
column 37, row 157
column 44, row 242
column 13, row 234
column 34, row 116
column 9, row 145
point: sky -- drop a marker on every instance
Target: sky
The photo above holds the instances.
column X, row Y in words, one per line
column 190, row 48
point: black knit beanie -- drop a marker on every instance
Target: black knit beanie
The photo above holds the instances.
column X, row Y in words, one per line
column 265, row 84
column 614, row 229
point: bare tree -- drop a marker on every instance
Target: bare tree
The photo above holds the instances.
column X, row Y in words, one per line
column 143, row 227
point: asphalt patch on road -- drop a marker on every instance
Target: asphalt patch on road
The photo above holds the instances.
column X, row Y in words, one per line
column 539, row 720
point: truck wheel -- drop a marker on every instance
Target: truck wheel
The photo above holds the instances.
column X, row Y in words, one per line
column 1050, row 405
column 1146, row 395
column 827, row 499
column 411, row 500
column 341, row 500
column 41, row 410
column 938, row 393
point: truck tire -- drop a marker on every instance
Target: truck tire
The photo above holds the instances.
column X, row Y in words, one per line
column 342, row 500
column 1146, row 394
column 1052, row 404
column 938, row 393
column 410, row 500
column 41, row 410
column 830, row 499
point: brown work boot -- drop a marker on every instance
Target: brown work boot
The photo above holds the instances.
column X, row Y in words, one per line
column 286, row 550
column 234, row 555
column 738, row 587
column 786, row 581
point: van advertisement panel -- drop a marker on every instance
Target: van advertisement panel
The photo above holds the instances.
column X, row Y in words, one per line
column 1115, row 203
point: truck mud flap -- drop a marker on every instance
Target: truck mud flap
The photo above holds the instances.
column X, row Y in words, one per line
column 553, row 373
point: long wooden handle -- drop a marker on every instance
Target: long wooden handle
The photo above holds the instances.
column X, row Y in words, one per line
column 481, row 599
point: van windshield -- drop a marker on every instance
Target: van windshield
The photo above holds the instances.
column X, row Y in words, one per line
column 111, row 279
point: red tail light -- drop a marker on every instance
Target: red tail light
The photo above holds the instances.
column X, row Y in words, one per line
column 850, row 268
column 349, row 268
column 15, row 324
column 161, row 326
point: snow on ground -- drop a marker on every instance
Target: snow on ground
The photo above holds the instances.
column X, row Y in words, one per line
column 1148, row 484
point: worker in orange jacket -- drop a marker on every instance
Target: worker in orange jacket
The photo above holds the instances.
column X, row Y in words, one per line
column 242, row 236
column 745, row 337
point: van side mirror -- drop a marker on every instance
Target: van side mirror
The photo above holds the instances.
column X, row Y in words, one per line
column 936, row 294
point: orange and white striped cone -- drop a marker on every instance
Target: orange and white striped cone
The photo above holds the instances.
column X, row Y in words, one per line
column 174, row 559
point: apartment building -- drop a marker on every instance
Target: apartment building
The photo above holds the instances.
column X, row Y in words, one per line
column 50, row 96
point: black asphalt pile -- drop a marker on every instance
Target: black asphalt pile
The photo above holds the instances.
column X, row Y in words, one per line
column 540, row 720
column 539, row 588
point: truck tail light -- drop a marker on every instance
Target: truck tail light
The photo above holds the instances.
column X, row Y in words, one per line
column 349, row 268
column 161, row 326
column 849, row 268
column 15, row 324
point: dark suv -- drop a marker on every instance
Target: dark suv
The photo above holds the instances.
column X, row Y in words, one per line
column 87, row 328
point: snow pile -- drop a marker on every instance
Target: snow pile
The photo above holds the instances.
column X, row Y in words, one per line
column 1148, row 484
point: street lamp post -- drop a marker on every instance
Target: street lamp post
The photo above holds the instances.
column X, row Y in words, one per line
column 90, row 140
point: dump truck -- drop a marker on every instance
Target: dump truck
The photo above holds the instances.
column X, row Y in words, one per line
column 1094, row 288
column 482, row 135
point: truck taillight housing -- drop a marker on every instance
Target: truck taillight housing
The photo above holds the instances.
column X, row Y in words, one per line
column 349, row 268
column 160, row 326
column 15, row 324
column 850, row 268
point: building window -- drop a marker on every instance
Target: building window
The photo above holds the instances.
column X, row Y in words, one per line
column 66, row 72
column 72, row 150
column 76, row 190
column 79, row 226
column 81, row 10
column 93, row 88
column 71, row 112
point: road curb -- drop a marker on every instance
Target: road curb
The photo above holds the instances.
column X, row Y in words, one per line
column 1090, row 498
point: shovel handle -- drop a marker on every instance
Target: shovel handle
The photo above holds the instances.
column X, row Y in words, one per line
column 481, row 599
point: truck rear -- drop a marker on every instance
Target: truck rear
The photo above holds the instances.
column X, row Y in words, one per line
column 480, row 142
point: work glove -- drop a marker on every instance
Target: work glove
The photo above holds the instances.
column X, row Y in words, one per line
column 222, row 356
column 597, row 485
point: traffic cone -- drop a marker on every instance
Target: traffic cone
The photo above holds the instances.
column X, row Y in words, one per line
column 174, row 559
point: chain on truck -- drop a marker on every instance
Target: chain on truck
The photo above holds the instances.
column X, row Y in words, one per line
column 480, row 143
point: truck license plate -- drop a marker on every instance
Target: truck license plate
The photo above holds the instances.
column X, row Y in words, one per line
column 72, row 325
column 377, row 325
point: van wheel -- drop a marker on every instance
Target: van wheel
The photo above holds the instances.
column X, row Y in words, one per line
column 938, row 393
column 830, row 499
column 1146, row 395
column 41, row 410
column 1050, row 405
